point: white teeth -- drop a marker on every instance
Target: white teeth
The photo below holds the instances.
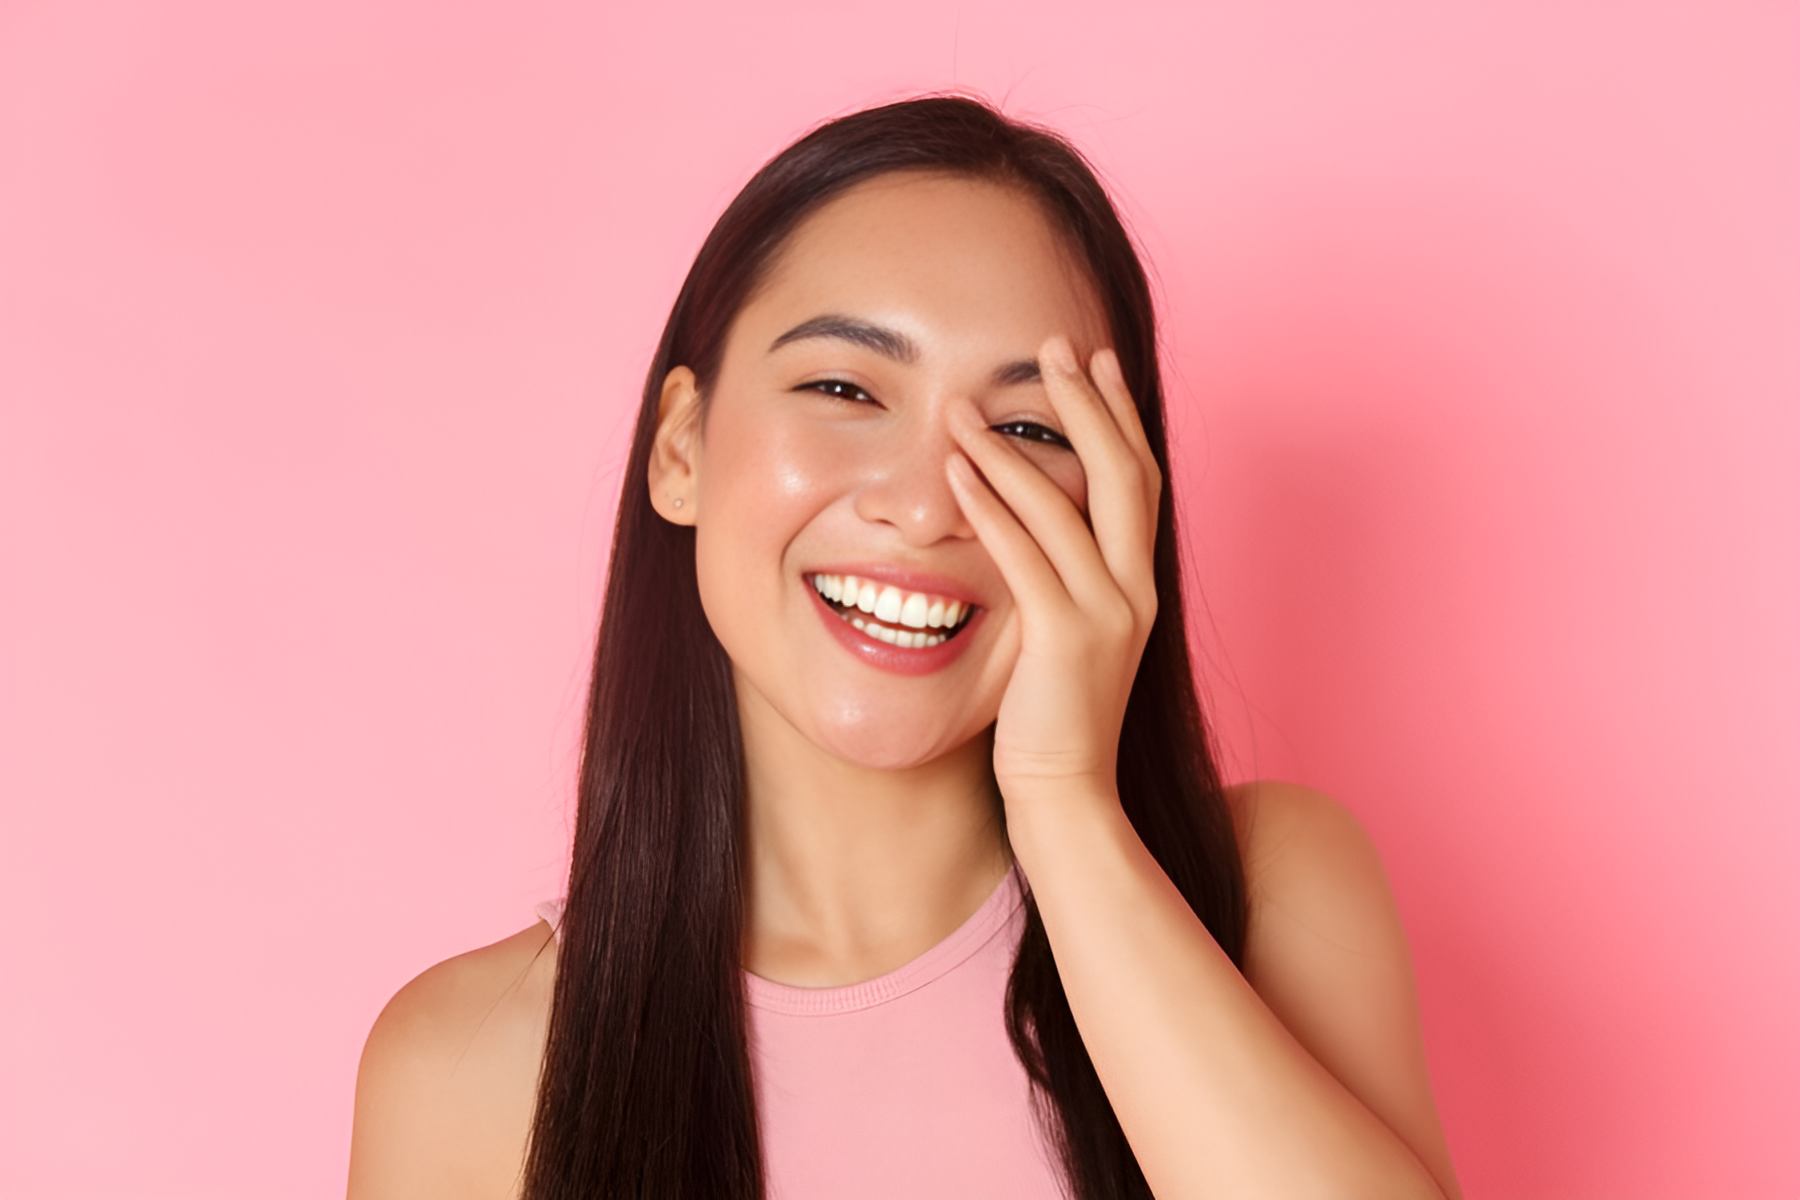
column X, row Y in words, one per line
column 880, row 632
column 914, row 611
column 890, row 607
column 887, row 605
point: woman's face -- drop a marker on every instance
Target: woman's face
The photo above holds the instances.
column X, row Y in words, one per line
column 818, row 484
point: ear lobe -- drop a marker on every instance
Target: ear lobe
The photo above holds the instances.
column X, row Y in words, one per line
column 675, row 455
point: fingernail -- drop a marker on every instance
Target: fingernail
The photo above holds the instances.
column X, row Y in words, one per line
column 1107, row 360
column 1059, row 354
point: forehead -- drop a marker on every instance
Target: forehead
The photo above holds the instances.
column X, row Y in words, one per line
column 943, row 257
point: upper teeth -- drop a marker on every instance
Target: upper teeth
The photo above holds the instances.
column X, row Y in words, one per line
column 916, row 610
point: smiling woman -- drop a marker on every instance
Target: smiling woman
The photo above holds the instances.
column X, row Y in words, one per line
column 901, row 867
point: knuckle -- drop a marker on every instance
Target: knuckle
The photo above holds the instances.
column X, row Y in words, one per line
column 1117, row 619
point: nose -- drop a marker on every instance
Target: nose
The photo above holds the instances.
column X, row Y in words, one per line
column 906, row 486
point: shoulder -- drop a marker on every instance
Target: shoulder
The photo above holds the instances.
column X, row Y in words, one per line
column 1270, row 814
column 447, row 1085
column 1327, row 953
column 1318, row 895
column 1298, row 843
column 450, row 1003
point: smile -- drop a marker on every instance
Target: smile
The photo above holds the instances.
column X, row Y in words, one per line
column 908, row 620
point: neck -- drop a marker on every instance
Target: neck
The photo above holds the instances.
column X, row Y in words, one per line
column 853, row 872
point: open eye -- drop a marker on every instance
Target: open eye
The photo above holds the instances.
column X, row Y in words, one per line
column 841, row 389
column 1031, row 431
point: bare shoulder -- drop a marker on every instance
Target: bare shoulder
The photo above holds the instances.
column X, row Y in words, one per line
column 1271, row 813
column 448, row 1080
column 1327, row 953
column 447, row 1006
column 1320, row 907
column 1302, row 850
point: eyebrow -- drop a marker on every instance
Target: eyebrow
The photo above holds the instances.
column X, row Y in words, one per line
column 1025, row 370
column 886, row 342
column 891, row 343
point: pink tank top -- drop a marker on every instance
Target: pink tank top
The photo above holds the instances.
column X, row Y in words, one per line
column 901, row 1086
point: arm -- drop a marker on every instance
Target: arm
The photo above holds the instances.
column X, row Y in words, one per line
column 448, row 1082
column 1311, row 1082
column 1307, row 1079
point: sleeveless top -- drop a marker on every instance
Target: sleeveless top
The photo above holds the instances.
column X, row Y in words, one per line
column 901, row 1086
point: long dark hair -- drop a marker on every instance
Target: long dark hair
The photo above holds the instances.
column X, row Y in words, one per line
column 646, row 1085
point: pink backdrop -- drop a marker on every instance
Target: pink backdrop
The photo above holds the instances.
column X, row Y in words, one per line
column 320, row 326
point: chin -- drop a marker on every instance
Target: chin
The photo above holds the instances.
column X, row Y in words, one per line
column 887, row 745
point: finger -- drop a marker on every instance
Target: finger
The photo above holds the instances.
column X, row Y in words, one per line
column 1109, row 379
column 1121, row 500
column 1034, row 583
column 1044, row 512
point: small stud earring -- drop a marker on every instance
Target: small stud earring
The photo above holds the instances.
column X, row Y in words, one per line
column 678, row 502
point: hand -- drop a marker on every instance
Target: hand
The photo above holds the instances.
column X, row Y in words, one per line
column 1084, row 599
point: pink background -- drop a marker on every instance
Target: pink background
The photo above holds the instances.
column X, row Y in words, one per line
column 320, row 327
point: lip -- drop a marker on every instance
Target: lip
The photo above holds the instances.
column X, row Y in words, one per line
column 880, row 655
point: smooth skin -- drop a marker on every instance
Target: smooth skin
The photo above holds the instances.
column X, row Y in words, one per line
column 987, row 438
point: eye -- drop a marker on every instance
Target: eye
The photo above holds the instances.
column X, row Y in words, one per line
column 842, row 390
column 1031, row 431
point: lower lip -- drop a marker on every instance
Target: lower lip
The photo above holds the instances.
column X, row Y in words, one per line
column 883, row 657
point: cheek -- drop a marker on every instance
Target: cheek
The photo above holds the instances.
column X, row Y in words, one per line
column 1076, row 489
column 1064, row 470
column 762, row 475
column 759, row 489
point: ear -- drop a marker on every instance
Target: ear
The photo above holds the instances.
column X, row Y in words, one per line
column 675, row 455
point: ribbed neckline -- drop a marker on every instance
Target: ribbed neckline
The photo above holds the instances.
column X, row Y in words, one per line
column 935, row 963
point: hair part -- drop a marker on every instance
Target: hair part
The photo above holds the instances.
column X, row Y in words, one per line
column 646, row 1087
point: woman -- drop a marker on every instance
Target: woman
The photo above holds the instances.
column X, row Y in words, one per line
column 901, row 867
